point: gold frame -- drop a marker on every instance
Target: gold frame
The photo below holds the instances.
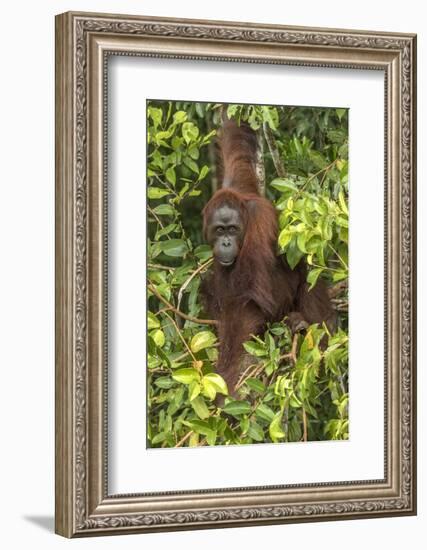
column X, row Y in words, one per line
column 83, row 43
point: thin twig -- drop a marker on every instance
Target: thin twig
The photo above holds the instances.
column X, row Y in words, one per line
column 304, row 424
column 339, row 257
column 259, row 165
column 245, row 372
column 274, row 151
column 190, row 278
column 311, row 178
column 158, row 220
column 294, row 347
column 254, row 374
column 188, row 434
column 184, row 439
column 293, row 353
column 156, row 293
column 159, row 266
column 181, row 336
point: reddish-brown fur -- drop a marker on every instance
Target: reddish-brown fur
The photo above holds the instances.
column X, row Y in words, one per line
column 260, row 287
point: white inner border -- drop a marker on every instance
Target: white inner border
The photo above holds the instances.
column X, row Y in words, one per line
column 133, row 468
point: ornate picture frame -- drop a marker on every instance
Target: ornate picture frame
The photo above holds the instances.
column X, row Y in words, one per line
column 84, row 43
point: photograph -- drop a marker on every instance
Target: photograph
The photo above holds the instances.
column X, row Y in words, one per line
column 247, row 273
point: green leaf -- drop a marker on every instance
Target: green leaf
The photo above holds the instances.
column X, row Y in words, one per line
column 339, row 276
column 166, row 230
column 237, row 408
column 211, row 438
column 244, row 425
column 203, row 252
column 200, row 407
column 193, row 390
column 298, row 146
column 256, row 385
column 190, row 132
column 313, row 275
column 164, row 382
column 203, row 172
column 217, row 382
column 285, row 237
column 293, row 254
column 194, row 153
column 159, row 438
column 179, row 117
column 209, row 389
column 264, row 412
column 157, row 193
column 275, row 428
column 155, row 114
column 340, row 112
column 159, row 337
column 152, row 321
column 256, row 349
column 270, row 116
column 186, row 375
column 343, row 222
column 301, row 238
column 174, row 247
column 191, row 164
column 255, row 432
column 170, row 175
column 202, row 340
column 164, row 210
column 201, row 427
column 284, row 185
column 342, row 202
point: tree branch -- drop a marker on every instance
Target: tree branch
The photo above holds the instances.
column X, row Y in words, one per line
column 260, row 167
column 156, row 293
column 190, row 278
column 275, row 155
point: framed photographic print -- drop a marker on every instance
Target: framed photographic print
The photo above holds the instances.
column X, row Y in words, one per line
column 235, row 274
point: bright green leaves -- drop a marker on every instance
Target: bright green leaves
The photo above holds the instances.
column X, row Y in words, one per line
column 163, row 210
column 207, row 385
column 174, row 170
column 313, row 198
column 156, row 115
column 152, row 321
column 179, row 117
column 170, row 176
column 284, row 393
column 190, row 132
column 200, row 407
column 275, row 429
column 214, row 383
column 255, row 115
column 258, row 348
column 313, row 275
column 157, row 193
column 202, row 340
column 315, row 227
column 186, row 376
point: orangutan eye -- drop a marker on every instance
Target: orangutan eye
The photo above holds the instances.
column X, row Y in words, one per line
column 220, row 230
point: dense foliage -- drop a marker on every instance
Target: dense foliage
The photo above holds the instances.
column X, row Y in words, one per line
column 291, row 389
